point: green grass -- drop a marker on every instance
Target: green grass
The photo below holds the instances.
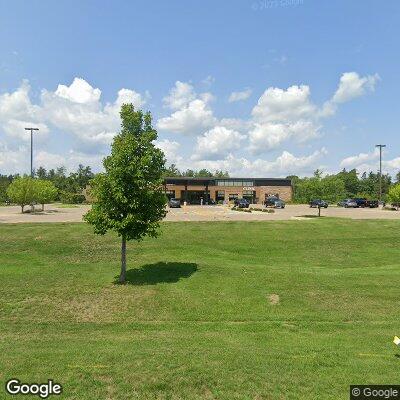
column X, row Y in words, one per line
column 198, row 319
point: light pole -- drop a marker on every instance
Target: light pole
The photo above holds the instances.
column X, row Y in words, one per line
column 380, row 169
column 31, row 129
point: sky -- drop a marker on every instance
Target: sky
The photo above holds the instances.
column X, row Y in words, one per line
column 259, row 88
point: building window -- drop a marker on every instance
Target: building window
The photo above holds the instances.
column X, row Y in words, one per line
column 233, row 196
column 170, row 194
column 220, row 195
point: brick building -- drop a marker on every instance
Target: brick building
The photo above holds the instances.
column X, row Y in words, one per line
column 192, row 190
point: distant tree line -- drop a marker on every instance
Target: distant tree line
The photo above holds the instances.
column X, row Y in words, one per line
column 173, row 171
column 69, row 186
column 332, row 188
column 345, row 184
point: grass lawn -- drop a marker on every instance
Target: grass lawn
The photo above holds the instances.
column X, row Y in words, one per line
column 215, row 310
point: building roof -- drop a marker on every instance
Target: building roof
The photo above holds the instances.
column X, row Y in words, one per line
column 211, row 180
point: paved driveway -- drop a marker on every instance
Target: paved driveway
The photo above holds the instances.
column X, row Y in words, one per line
column 57, row 213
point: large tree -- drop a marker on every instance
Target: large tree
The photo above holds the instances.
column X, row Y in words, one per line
column 129, row 196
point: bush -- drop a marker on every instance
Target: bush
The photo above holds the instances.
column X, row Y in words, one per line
column 241, row 209
column 268, row 210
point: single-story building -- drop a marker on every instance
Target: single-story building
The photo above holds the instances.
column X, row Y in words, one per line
column 202, row 190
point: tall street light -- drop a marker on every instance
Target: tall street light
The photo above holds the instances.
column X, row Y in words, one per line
column 32, row 129
column 380, row 169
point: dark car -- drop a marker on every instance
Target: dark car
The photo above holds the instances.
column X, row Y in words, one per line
column 174, row 203
column 241, row 203
column 279, row 204
column 271, row 200
column 373, row 203
column 361, row 201
column 318, row 203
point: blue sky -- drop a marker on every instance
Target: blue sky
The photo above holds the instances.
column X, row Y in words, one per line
column 263, row 88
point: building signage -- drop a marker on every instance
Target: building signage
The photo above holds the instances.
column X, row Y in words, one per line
column 248, row 188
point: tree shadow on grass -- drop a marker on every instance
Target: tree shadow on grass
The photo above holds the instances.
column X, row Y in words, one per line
column 161, row 272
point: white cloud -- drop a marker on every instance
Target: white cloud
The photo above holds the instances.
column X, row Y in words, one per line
column 77, row 109
column 352, row 85
column 283, row 165
column 240, row 96
column 279, row 105
column 354, row 161
column 14, row 161
column 190, row 120
column 370, row 162
column 73, row 109
column 236, row 124
column 79, row 92
column 192, row 113
column 16, row 129
column 208, row 81
column 281, row 115
column 171, row 150
column 179, row 96
column 217, row 143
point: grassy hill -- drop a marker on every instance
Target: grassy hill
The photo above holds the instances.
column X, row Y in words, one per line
column 235, row 310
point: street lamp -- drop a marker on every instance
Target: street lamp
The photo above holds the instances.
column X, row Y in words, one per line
column 380, row 169
column 32, row 129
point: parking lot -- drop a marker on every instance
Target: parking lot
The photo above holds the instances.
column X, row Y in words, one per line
column 58, row 213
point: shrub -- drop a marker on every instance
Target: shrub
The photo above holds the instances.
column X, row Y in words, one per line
column 45, row 191
column 241, row 209
column 22, row 191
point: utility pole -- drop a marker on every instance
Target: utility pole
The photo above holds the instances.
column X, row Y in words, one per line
column 31, row 129
column 380, row 169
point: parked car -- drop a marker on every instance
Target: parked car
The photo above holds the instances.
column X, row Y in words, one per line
column 174, row 203
column 373, row 203
column 361, row 202
column 347, row 203
column 350, row 203
column 270, row 201
column 279, row 204
column 241, row 203
column 318, row 203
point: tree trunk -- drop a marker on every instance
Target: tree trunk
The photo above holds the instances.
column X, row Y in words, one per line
column 22, row 209
column 319, row 211
column 43, row 207
column 122, row 276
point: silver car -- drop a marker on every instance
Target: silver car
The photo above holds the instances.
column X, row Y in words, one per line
column 279, row 204
column 350, row 203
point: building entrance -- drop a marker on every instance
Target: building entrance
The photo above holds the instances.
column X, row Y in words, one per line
column 250, row 196
column 195, row 196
